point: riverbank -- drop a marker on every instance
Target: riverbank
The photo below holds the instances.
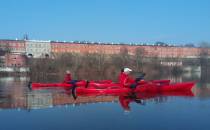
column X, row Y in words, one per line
column 97, row 66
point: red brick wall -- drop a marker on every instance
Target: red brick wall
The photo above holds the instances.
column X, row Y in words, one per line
column 13, row 45
column 15, row 60
column 149, row 51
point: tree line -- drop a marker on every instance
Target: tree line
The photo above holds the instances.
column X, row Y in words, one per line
column 95, row 66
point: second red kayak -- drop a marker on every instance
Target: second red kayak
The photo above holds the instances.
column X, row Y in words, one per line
column 148, row 87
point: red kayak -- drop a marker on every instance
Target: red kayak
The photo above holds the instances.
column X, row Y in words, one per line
column 95, row 84
column 142, row 95
column 147, row 87
column 79, row 83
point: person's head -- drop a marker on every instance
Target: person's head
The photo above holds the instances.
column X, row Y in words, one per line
column 68, row 72
column 127, row 70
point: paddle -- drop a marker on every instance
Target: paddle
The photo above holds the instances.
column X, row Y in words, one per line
column 133, row 96
column 139, row 78
column 140, row 101
column 73, row 90
column 87, row 83
column 29, row 85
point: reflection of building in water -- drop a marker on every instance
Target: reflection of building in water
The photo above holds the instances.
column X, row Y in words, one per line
column 174, row 79
column 10, row 102
column 14, row 94
column 61, row 99
column 13, row 81
column 45, row 100
column 158, row 99
column 39, row 100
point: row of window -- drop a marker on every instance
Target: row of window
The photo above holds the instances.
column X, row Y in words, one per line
column 74, row 47
column 17, row 49
column 13, row 44
column 66, row 50
column 38, row 45
column 15, row 65
column 90, row 51
column 38, row 50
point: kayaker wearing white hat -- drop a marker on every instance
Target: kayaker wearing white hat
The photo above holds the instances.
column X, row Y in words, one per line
column 127, row 70
column 128, row 81
column 124, row 77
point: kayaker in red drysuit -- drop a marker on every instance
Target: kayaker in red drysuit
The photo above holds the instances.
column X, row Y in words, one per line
column 124, row 79
column 127, row 81
column 67, row 78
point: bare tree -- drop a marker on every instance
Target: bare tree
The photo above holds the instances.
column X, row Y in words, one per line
column 139, row 57
column 124, row 55
column 204, row 54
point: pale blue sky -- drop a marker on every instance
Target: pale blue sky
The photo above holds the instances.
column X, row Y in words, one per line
column 172, row 21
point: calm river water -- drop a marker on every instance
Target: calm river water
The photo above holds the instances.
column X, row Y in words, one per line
column 56, row 109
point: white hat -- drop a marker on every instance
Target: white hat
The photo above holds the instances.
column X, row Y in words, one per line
column 68, row 71
column 127, row 70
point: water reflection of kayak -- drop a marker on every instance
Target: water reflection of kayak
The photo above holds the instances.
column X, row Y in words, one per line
column 140, row 98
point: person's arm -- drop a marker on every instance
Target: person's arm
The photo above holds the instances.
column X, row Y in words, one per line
column 70, row 77
column 64, row 80
column 126, row 82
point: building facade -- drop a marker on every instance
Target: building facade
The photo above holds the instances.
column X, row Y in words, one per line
column 13, row 46
column 38, row 49
column 147, row 50
column 18, row 49
column 13, row 53
column 15, row 60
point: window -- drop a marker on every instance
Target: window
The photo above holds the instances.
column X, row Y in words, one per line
column 46, row 55
column 30, row 55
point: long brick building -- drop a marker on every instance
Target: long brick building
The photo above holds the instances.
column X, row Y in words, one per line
column 19, row 49
column 12, row 53
column 148, row 50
